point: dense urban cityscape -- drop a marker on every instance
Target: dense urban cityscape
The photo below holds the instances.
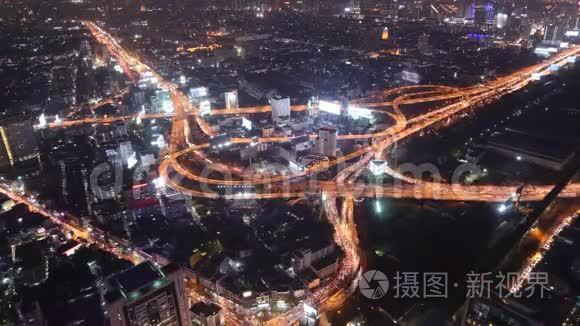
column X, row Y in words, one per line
column 296, row 162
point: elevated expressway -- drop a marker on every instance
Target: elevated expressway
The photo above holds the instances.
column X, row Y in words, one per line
column 453, row 102
column 174, row 169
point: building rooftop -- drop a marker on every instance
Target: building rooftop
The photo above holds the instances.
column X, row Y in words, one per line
column 135, row 277
column 205, row 309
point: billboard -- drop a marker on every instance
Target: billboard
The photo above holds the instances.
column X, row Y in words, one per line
column 329, row 107
column 246, row 124
column 360, row 113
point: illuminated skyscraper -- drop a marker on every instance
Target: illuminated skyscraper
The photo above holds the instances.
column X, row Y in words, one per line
column 280, row 108
column 326, row 142
column 231, row 99
column 18, row 141
column 423, row 43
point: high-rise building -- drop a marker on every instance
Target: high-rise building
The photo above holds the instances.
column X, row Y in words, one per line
column 280, row 108
column 423, row 43
column 312, row 107
column 479, row 14
column 231, row 99
column 18, row 141
column 32, row 263
column 326, row 142
column 553, row 33
column 466, row 8
column 146, row 295
column 417, row 8
column 74, row 186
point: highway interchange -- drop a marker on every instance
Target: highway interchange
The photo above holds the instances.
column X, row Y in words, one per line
column 451, row 102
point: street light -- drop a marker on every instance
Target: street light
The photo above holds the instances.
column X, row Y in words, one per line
column 378, row 207
column 502, row 208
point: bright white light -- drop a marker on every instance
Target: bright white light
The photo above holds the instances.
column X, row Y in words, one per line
column 182, row 79
column 42, row 121
column 545, row 51
column 118, row 69
column 310, row 311
column 247, row 124
column 572, row 33
column 329, row 107
column 519, row 158
column 378, row 207
column 159, row 142
column 377, row 167
column 159, row 183
column 501, row 20
column 132, row 160
column 502, row 208
column 167, row 107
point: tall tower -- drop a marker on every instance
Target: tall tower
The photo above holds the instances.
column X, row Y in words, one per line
column 326, row 142
column 466, row 9
column 480, row 14
column 231, row 99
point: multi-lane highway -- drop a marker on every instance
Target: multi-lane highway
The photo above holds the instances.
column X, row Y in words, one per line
column 448, row 101
column 466, row 99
